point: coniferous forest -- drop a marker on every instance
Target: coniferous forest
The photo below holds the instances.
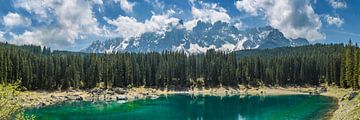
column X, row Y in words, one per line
column 39, row 68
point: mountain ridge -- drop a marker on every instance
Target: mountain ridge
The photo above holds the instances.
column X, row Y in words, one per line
column 220, row 36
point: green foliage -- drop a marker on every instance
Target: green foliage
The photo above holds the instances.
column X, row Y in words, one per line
column 22, row 116
column 9, row 103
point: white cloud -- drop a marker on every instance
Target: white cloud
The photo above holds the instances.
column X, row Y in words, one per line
column 129, row 27
column 73, row 20
column 126, row 5
column 294, row 18
column 189, row 25
column 334, row 20
column 40, row 8
column 76, row 17
column 211, row 14
column 55, row 38
column 208, row 13
column 28, row 37
column 2, row 39
column 14, row 19
column 239, row 25
column 251, row 6
column 156, row 4
column 99, row 2
column 337, row 4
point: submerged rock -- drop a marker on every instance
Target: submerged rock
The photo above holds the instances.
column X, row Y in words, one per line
column 121, row 97
column 152, row 96
column 121, row 101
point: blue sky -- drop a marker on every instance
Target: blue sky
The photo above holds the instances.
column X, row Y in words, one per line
column 74, row 24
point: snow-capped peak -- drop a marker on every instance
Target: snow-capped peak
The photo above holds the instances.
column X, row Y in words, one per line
column 204, row 36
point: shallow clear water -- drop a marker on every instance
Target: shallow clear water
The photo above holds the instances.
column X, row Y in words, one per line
column 188, row 107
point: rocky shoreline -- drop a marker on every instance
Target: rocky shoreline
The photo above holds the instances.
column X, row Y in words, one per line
column 345, row 98
column 44, row 98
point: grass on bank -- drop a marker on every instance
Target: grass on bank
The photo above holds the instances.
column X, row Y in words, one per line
column 347, row 109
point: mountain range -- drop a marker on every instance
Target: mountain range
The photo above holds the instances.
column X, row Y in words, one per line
column 220, row 36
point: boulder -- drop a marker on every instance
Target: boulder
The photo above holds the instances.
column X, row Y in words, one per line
column 352, row 95
column 79, row 98
column 73, row 97
column 41, row 104
column 153, row 91
column 96, row 91
column 138, row 96
column 109, row 98
column 144, row 94
column 316, row 93
column 110, row 92
column 343, row 97
column 121, row 97
column 53, row 97
column 120, row 91
column 322, row 90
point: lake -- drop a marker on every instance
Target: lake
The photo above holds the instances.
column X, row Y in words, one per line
column 190, row 107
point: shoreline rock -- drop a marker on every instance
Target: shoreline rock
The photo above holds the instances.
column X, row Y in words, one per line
column 352, row 95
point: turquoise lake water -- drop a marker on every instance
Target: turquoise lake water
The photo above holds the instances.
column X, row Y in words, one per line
column 189, row 107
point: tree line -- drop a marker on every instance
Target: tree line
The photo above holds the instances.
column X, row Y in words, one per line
column 40, row 68
column 350, row 67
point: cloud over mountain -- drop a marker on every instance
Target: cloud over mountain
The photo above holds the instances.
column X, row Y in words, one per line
column 129, row 27
column 65, row 24
column 295, row 18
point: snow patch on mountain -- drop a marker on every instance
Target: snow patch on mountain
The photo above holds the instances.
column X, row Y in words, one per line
column 220, row 36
